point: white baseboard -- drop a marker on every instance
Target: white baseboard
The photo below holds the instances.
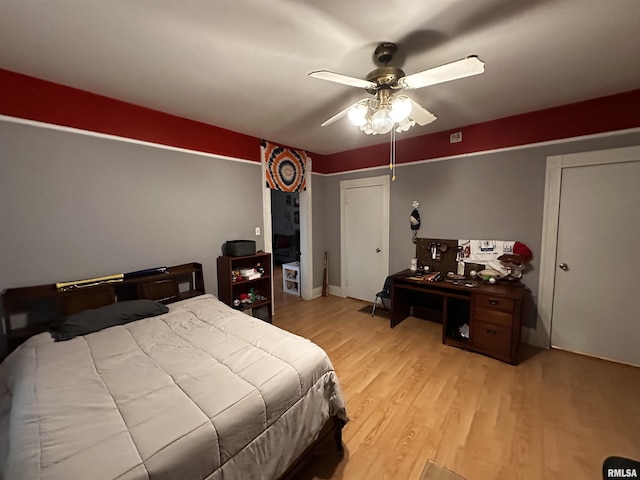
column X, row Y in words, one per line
column 333, row 290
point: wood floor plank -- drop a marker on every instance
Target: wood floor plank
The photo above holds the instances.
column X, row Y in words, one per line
column 556, row 415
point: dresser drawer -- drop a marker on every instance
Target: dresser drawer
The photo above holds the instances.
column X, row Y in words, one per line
column 492, row 339
column 491, row 301
column 493, row 316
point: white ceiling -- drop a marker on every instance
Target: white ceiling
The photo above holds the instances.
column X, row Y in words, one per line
column 243, row 64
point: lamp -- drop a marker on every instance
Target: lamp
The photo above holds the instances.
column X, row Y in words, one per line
column 382, row 113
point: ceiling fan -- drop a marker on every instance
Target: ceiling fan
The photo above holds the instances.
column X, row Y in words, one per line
column 386, row 109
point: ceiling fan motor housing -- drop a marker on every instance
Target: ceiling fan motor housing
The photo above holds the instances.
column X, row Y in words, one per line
column 384, row 52
column 384, row 77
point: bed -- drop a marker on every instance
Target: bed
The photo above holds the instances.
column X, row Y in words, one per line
column 201, row 391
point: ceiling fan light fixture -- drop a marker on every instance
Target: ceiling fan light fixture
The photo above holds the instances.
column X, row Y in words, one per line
column 400, row 108
column 381, row 122
column 405, row 125
column 366, row 128
column 358, row 114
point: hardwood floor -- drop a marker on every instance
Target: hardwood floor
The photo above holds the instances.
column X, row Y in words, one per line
column 556, row 415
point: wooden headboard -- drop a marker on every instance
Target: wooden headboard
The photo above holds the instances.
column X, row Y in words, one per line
column 30, row 310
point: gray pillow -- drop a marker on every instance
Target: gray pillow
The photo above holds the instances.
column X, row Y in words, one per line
column 90, row 321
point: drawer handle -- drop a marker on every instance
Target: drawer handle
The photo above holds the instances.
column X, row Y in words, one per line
column 494, row 301
column 491, row 331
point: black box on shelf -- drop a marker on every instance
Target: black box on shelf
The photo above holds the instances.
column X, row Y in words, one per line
column 239, row 248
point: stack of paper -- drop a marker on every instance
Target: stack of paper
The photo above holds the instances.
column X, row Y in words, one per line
column 249, row 273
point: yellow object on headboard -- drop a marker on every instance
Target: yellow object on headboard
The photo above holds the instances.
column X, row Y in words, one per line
column 90, row 281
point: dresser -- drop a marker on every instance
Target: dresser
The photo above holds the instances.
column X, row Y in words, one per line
column 496, row 324
column 482, row 318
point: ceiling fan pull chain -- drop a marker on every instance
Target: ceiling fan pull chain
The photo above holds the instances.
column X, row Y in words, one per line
column 391, row 152
column 392, row 164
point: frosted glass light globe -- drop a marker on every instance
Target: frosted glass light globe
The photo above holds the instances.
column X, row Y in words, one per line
column 381, row 122
column 357, row 114
column 405, row 125
column 366, row 128
column 400, row 108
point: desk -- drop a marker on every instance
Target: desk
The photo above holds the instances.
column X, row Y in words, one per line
column 492, row 312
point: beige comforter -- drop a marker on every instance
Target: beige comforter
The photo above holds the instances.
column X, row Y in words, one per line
column 203, row 391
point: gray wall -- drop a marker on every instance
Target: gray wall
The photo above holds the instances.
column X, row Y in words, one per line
column 322, row 212
column 496, row 195
column 74, row 206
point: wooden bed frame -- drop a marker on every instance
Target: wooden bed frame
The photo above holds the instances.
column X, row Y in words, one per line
column 28, row 311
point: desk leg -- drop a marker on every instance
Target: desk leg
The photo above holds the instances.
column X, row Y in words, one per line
column 445, row 316
column 399, row 305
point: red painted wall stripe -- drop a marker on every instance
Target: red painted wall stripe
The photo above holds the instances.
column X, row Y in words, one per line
column 605, row 114
column 34, row 99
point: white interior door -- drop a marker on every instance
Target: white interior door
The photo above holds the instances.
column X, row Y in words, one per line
column 365, row 236
column 596, row 300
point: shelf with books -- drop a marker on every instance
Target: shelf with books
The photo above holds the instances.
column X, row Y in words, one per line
column 251, row 291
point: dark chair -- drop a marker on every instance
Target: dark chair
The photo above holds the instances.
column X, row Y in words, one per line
column 286, row 248
column 382, row 294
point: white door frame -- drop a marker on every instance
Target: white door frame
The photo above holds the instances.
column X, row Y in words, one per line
column 306, row 244
column 555, row 164
column 382, row 181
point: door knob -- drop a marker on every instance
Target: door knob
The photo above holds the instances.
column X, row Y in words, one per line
column 563, row 266
column 377, row 250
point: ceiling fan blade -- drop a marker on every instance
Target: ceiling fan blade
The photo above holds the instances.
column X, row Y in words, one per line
column 451, row 71
column 421, row 115
column 343, row 79
column 339, row 115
